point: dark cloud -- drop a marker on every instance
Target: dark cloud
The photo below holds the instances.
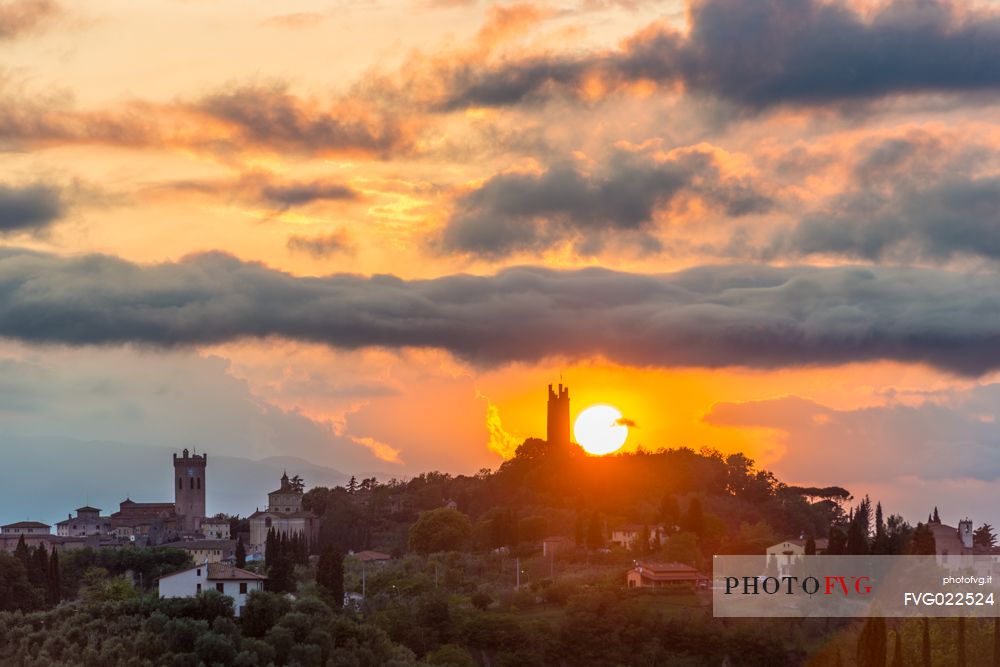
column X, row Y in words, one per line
column 230, row 121
column 510, row 213
column 29, row 208
column 760, row 54
column 937, row 222
column 297, row 194
column 911, row 198
column 19, row 17
column 265, row 188
column 321, row 246
column 753, row 316
column 271, row 117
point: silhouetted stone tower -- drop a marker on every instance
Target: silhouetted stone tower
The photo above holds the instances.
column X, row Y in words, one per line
column 558, row 425
column 189, row 489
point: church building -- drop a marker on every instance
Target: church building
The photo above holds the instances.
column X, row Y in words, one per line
column 284, row 514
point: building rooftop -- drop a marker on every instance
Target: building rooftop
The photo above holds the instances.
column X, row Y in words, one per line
column 667, row 571
column 27, row 524
column 285, row 515
column 223, row 572
column 87, row 508
column 369, row 556
column 201, row 544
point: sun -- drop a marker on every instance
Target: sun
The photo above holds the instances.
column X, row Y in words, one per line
column 599, row 430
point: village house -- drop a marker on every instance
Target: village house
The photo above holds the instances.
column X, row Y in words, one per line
column 226, row 579
column 665, row 575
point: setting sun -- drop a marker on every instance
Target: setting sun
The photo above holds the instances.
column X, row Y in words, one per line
column 599, row 430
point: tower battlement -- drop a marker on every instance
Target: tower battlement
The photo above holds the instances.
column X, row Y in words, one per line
column 558, row 431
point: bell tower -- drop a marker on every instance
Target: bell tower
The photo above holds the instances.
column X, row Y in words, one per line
column 189, row 489
column 558, row 433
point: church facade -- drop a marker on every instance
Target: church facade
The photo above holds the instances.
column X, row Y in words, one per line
column 284, row 515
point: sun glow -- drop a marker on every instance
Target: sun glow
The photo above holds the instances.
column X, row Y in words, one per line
column 599, row 429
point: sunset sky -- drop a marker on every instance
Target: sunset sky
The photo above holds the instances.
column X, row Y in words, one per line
column 368, row 234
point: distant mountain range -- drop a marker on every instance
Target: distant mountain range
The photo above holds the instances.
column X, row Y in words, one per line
column 45, row 479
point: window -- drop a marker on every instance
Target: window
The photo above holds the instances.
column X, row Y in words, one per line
column 192, row 483
column 267, row 522
column 198, row 574
column 243, row 588
column 180, row 482
column 220, row 587
column 197, row 588
column 199, row 483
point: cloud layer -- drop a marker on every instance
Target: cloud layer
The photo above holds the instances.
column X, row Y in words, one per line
column 29, row 208
column 531, row 212
column 712, row 316
column 762, row 54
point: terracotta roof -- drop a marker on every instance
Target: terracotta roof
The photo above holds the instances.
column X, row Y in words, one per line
column 27, row 524
column 667, row 571
column 559, row 538
column 368, row 556
column 221, row 571
column 202, row 544
column 87, row 508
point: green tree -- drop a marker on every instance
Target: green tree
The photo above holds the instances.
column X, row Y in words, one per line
column 281, row 571
column 872, row 643
column 261, row 612
column 996, row 641
column 984, row 537
column 694, row 520
column 22, row 553
column 214, row 649
column 441, row 529
column 836, row 542
column 16, row 591
column 810, row 548
column 960, row 642
column 923, row 542
column 670, row 511
column 38, row 568
column 925, row 643
column 330, row 574
column 241, row 553
column 897, row 652
column 53, row 593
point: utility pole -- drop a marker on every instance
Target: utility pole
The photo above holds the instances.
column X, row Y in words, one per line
column 517, row 586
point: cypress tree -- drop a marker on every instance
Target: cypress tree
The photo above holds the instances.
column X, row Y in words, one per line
column 595, row 536
column 270, row 547
column 22, row 554
column 54, row 580
column 897, row 654
column 996, row 641
column 961, row 642
column 872, row 643
column 330, row 574
column 38, row 569
column 925, row 648
column 241, row 553
column 810, row 545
